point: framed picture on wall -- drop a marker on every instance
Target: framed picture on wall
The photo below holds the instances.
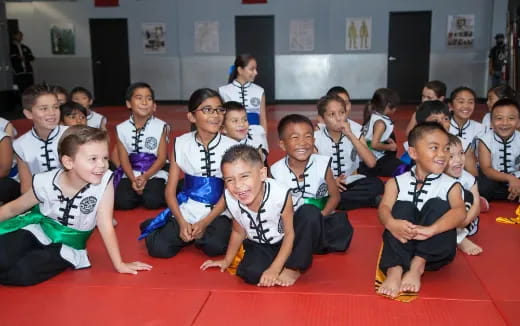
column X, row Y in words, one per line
column 62, row 39
column 358, row 33
column 301, row 35
column 207, row 37
column 154, row 37
column 461, row 31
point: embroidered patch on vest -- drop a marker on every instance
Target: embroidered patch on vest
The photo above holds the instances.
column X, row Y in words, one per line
column 322, row 191
column 150, row 143
column 280, row 226
column 87, row 205
column 255, row 101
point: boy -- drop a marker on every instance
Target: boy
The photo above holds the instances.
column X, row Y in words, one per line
column 420, row 210
column 37, row 150
column 72, row 113
column 237, row 127
column 499, row 153
column 455, row 169
column 276, row 251
column 313, row 188
column 84, row 97
column 337, row 140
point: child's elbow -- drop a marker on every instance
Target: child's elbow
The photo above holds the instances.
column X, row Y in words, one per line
column 371, row 162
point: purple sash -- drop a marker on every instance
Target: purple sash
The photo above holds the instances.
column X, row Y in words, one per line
column 140, row 162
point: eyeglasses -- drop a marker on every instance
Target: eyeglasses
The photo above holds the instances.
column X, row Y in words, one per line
column 207, row 110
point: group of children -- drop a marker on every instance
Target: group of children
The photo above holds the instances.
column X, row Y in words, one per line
column 222, row 196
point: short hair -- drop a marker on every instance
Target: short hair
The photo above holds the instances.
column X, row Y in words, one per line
column 131, row 89
column 429, row 108
column 56, row 89
column 32, row 93
column 78, row 135
column 292, row 118
column 323, row 103
column 68, row 108
column 80, row 89
column 506, row 102
column 233, row 106
column 457, row 90
column 454, row 140
column 438, row 87
column 422, row 129
column 338, row 90
column 503, row 91
column 242, row 152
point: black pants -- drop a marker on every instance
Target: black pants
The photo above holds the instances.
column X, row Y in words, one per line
column 472, row 227
column 491, row 189
column 385, row 166
column 25, row 261
column 10, row 190
column 166, row 242
column 438, row 250
column 258, row 257
column 361, row 193
column 152, row 198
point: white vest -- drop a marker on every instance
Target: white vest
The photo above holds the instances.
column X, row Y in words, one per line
column 249, row 95
column 192, row 158
column 40, row 155
column 345, row 158
column 435, row 186
column 266, row 225
column 368, row 131
column 470, row 131
column 505, row 155
column 144, row 140
column 467, row 180
column 256, row 138
column 95, row 119
column 78, row 212
column 3, row 126
column 16, row 176
column 486, row 120
column 313, row 185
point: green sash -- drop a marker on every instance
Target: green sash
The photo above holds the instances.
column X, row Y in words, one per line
column 318, row 202
column 55, row 231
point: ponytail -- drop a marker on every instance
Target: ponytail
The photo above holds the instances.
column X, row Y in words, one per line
column 241, row 61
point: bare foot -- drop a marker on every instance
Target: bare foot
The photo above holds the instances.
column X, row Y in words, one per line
column 392, row 283
column 470, row 248
column 287, row 277
column 412, row 279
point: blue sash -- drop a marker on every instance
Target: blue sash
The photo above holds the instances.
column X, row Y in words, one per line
column 253, row 118
column 207, row 190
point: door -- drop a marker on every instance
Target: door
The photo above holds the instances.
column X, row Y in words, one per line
column 409, row 53
column 255, row 35
column 110, row 61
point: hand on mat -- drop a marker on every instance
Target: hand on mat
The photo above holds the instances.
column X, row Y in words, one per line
column 341, row 182
column 514, row 188
column 186, row 232
column 402, row 230
column 198, row 229
column 222, row 264
column 424, row 232
column 268, row 278
column 132, row 268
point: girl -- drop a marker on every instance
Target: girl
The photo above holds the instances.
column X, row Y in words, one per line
column 83, row 96
column 61, row 94
column 242, row 89
column 8, row 171
column 462, row 104
column 141, row 143
column 378, row 129
column 494, row 94
column 67, row 204
column 197, row 209
column 434, row 90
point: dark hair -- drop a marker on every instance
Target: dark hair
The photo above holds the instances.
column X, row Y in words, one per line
column 68, row 108
column 454, row 140
column 31, row 94
column 506, row 102
column 131, row 89
column 199, row 96
column 292, row 118
column 438, row 87
column 421, row 129
column 80, row 89
column 429, row 108
column 382, row 98
column 457, row 90
column 241, row 61
column 242, row 152
column 503, row 91
column 233, row 106
column 56, row 89
column 78, row 135
column 323, row 103
column 336, row 90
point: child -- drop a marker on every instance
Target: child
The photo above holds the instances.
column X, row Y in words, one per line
column 345, row 96
column 84, row 97
column 378, row 129
column 494, row 94
column 462, row 101
column 7, row 127
column 68, row 204
column 195, row 214
column 313, row 188
column 499, row 153
column 434, row 90
column 455, row 169
column 72, row 113
column 347, row 148
column 238, row 128
column 10, row 187
column 240, row 88
column 141, row 143
column 61, row 94
column 275, row 252
column 37, row 150
column 420, row 210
